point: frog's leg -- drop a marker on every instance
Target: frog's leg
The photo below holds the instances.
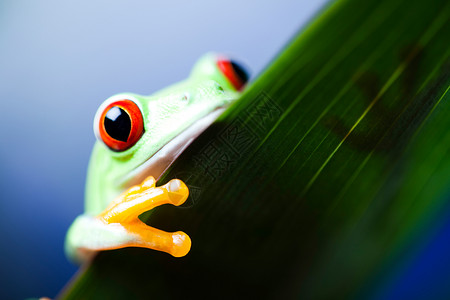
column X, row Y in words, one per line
column 126, row 209
column 372, row 88
column 177, row 243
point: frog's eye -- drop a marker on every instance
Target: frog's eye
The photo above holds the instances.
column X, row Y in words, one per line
column 234, row 72
column 120, row 125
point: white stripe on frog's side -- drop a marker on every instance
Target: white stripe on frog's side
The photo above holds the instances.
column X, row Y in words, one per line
column 90, row 235
column 157, row 164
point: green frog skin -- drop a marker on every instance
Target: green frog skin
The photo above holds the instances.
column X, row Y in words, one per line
column 138, row 138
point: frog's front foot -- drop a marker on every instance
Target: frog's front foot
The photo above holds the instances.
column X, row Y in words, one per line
column 124, row 211
column 118, row 226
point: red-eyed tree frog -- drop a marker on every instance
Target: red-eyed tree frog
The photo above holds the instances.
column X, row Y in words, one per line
column 138, row 138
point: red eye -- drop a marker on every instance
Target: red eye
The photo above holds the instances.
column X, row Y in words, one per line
column 121, row 125
column 234, row 72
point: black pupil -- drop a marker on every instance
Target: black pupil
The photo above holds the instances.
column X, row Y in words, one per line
column 118, row 124
column 243, row 75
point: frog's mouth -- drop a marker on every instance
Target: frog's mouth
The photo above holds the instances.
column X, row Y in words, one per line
column 158, row 163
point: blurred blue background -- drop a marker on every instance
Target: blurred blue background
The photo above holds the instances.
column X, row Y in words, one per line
column 58, row 61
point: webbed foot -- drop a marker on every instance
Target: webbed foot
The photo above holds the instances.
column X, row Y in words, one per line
column 124, row 211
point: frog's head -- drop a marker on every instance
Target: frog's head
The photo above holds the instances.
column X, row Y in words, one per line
column 139, row 136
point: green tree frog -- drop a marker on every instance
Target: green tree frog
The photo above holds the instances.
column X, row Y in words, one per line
column 138, row 138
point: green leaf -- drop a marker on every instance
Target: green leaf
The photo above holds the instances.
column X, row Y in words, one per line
column 320, row 177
